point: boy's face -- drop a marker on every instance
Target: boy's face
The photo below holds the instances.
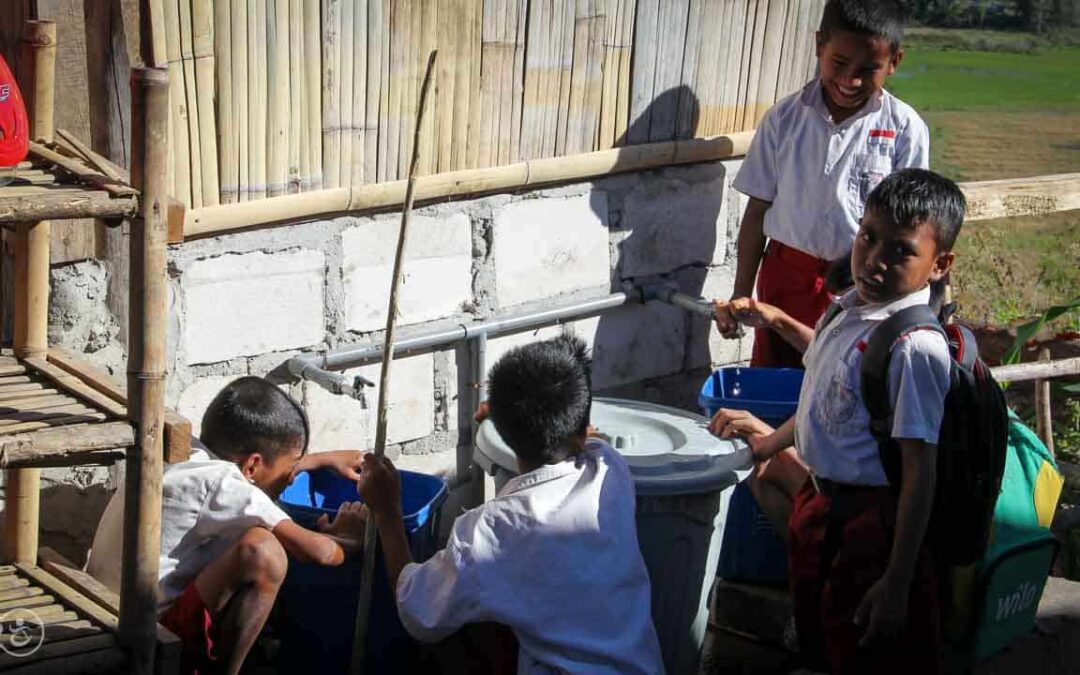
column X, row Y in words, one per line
column 889, row 262
column 853, row 68
column 272, row 476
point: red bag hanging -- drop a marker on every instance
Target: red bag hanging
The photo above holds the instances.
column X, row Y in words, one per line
column 14, row 127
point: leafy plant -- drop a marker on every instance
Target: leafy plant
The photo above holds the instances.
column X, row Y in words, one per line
column 1028, row 330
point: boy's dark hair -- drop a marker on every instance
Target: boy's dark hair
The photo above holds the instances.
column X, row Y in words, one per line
column 252, row 415
column 879, row 18
column 539, row 396
column 910, row 197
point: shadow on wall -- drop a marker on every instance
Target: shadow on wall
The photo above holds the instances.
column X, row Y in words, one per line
column 664, row 227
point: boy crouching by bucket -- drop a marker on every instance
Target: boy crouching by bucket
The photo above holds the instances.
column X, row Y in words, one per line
column 554, row 557
column 224, row 540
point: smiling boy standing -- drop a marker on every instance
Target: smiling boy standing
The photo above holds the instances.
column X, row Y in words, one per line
column 815, row 158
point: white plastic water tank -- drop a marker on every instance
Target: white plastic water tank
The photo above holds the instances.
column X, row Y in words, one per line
column 683, row 477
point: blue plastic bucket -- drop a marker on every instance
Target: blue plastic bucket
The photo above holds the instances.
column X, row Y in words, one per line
column 316, row 609
column 771, row 394
column 752, row 550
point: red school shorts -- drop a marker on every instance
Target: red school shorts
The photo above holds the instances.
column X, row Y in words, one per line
column 191, row 621
column 838, row 548
column 795, row 282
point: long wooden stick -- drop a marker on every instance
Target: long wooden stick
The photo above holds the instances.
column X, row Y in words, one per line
column 368, row 569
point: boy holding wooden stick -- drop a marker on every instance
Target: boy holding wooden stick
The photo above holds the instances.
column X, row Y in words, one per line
column 815, row 158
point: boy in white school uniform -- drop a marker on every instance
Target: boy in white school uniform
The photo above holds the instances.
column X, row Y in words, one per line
column 863, row 583
column 555, row 555
column 224, row 539
column 816, row 156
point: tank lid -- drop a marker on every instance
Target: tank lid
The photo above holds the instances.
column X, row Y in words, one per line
column 669, row 451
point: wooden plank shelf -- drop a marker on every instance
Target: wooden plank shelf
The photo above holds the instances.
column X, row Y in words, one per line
column 48, row 626
column 60, row 182
column 50, row 417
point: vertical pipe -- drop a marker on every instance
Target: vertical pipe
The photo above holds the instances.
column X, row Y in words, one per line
column 146, row 368
column 23, row 486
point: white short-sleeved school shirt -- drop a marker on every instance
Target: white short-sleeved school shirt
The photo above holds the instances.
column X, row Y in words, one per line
column 817, row 174
column 554, row 557
column 207, row 505
column 832, row 425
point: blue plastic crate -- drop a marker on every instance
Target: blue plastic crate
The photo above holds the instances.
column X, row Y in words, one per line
column 316, row 608
column 771, row 394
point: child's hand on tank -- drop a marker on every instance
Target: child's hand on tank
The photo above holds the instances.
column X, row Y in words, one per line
column 380, row 485
column 726, row 322
column 345, row 463
column 727, row 423
column 348, row 522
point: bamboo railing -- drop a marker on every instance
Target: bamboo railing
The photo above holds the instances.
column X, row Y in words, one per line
column 273, row 97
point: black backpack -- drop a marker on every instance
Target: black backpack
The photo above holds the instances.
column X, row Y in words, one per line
column 973, row 438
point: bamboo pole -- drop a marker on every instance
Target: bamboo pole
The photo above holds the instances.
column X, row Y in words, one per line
column 359, row 127
column 346, row 64
column 474, row 27
column 298, row 165
column 277, row 139
column 530, row 173
column 368, row 569
column 202, row 51
column 397, row 75
column 146, row 370
column 446, row 85
column 1038, row 370
column 518, row 80
column 191, row 111
column 331, row 93
column 429, row 42
column 179, row 147
column 312, row 85
column 374, row 88
column 259, row 105
column 385, row 122
column 239, row 24
column 32, row 240
column 226, row 117
column 463, row 86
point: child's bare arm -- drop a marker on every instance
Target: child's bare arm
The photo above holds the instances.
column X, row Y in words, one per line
column 336, row 539
column 344, row 462
column 380, row 486
column 884, row 608
column 751, row 246
column 750, row 312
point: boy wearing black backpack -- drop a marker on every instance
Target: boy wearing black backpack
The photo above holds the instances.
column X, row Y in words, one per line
column 863, row 583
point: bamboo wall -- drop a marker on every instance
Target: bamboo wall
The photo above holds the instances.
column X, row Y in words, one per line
column 314, row 94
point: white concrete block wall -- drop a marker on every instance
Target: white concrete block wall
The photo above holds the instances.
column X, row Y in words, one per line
column 550, row 246
column 244, row 303
column 340, row 422
column 437, row 273
column 252, row 303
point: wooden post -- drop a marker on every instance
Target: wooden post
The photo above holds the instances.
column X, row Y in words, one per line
column 1044, row 420
column 146, row 368
column 23, row 486
column 368, row 566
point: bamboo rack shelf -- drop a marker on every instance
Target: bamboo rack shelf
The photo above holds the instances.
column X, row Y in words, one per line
column 76, row 633
column 64, row 180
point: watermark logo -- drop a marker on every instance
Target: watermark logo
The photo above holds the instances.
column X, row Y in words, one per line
column 21, row 632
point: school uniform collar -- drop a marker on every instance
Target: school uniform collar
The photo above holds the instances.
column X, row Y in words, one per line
column 882, row 311
column 546, row 473
column 813, row 97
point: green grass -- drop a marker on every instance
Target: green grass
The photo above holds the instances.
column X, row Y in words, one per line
column 935, row 79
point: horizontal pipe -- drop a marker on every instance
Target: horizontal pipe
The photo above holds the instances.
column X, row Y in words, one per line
column 314, row 367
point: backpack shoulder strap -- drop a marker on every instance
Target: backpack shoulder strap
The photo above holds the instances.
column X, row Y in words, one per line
column 874, row 372
column 830, row 314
